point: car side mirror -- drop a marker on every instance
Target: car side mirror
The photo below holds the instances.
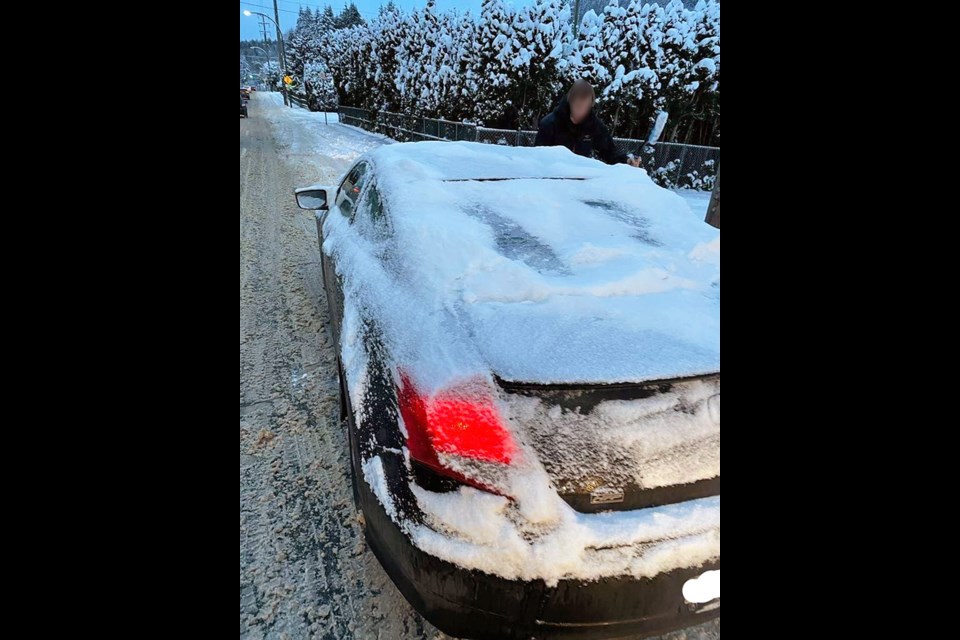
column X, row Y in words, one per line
column 312, row 198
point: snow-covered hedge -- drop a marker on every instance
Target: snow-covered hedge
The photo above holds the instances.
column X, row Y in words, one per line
column 316, row 87
column 508, row 67
column 672, row 175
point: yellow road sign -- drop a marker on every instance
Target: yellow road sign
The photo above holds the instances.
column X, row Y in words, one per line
column 287, row 80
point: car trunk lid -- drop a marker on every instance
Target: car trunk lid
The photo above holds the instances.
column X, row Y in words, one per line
column 622, row 446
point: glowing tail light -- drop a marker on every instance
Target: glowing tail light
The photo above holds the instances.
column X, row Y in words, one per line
column 462, row 421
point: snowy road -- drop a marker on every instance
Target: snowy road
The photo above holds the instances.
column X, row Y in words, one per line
column 305, row 571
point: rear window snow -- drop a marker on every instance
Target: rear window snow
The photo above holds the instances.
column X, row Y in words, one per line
column 515, row 243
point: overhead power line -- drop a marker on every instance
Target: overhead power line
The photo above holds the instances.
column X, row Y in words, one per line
column 260, row 6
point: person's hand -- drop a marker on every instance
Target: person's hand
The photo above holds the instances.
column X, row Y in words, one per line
column 634, row 162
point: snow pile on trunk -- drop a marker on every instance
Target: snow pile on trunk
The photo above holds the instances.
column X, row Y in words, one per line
column 672, row 438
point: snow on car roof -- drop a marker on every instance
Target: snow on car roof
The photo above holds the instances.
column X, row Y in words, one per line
column 472, row 161
column 606, row 278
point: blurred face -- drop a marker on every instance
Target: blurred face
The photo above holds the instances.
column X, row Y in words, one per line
column 580, row 109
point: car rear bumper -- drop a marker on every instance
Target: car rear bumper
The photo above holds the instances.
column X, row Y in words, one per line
column 471, row 604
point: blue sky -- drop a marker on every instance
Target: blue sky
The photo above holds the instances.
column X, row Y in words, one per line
column 250, row 27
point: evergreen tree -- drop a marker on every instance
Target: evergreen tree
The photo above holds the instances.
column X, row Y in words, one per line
column 543, row 33
column 387, row 32
column 630, row 96
column 679, row 50
column 326, row 21
column 298, row 53
column 698, row 123
column 496, row 46
column 349, row 17
column 508, row 67
column 321, row 94
column 461, row 101
column 409, row 77
column 588, row 59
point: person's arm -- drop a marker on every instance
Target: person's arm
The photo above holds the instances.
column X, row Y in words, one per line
column 605, row 147
column 545, row 133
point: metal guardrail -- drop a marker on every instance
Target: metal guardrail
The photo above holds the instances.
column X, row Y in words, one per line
column 671, row 164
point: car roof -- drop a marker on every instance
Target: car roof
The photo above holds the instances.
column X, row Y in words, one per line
column 461, row 161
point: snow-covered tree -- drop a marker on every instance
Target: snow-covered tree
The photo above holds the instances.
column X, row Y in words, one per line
column 459, row 104
column 508, row 66
column 271, row 75
column 386, row 35
column 546, row 41
column 321, row 94
column 701, row 81
column 297, row 42
column 325, row 21
column 496, row 48
column 349, row 17
column 411, row 78
column 633, row 90
column 589, row 59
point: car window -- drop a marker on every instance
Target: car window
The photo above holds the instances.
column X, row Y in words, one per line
column 351, row 189
column 371, row 218
column 374, row 205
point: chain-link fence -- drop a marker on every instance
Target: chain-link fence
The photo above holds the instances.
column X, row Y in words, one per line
column 357, row 117
column 672, row 165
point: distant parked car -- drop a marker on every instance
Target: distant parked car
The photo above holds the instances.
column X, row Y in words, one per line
column 528, row 344
column 243, row 108
column 245, row 93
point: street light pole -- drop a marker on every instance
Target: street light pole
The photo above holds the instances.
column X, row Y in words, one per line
column 281, row 54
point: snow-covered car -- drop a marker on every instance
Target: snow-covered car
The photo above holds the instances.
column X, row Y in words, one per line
column 529, row 353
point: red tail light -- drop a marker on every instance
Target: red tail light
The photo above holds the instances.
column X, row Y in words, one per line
column 462, row 421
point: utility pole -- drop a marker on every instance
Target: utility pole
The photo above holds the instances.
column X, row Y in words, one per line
column 283, row 54
column 266, row 47
column 576, row 18
column 263, row 30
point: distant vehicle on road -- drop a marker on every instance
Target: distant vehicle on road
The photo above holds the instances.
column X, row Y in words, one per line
column 243, row 108
column 245, row 93
column 528, row 344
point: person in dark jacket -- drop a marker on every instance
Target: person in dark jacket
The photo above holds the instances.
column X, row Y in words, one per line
column 573, row 125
